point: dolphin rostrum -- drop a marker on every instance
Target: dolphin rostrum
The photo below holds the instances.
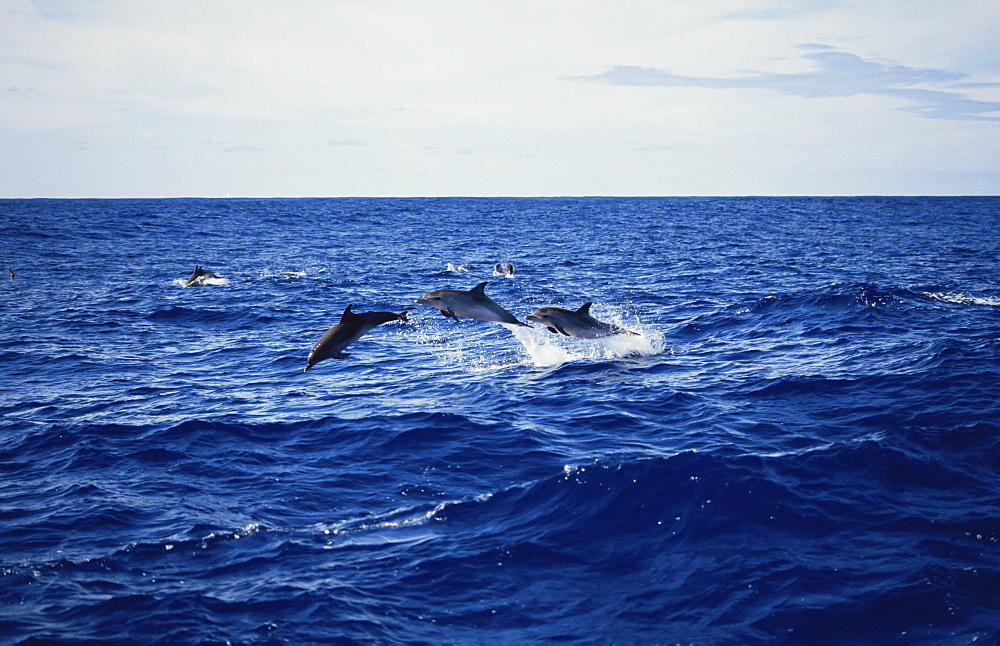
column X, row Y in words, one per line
column 579, row 324
column 199, row 276
column 348, row 330
column 472, row 304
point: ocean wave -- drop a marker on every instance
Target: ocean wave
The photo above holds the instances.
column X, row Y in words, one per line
column 661, row 522
column 188, row 316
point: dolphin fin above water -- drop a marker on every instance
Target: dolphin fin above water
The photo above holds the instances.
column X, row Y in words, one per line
column 199, row 276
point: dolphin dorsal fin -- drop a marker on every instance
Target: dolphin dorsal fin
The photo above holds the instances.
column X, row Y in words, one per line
column 480, row 288
column 347, row 312
column 584, row 309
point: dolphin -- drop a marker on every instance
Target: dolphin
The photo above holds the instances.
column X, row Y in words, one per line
column 11, row 272
column 579, row 324
column 199, row 276
column 503, row 270
column 348, row 330
column 472, row 304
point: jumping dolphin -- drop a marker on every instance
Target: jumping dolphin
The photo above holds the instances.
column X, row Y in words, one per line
column 350, row 328
column 199, row 276
column 472, row 304
column 579, row 324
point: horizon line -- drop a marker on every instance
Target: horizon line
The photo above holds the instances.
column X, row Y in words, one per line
column 537, row 197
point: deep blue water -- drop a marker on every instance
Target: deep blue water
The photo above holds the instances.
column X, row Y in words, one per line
column 802, row 445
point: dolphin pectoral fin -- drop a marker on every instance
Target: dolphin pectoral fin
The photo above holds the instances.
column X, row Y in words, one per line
column 562, row 331
column 552, row 330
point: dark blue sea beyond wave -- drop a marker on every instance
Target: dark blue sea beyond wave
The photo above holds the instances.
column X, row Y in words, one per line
column 800, row 445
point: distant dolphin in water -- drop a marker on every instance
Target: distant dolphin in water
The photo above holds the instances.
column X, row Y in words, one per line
column 199, row 276
column 472, row 304
column 579, row 324
column 11, row 272
column 500, row 270
column 350, row 328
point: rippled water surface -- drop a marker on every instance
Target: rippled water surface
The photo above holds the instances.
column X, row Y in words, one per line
column 800, row 444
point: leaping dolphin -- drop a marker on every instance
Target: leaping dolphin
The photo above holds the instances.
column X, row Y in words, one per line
column 579, row 324
column 199, row 276
column 348, row 330
column 472, row 304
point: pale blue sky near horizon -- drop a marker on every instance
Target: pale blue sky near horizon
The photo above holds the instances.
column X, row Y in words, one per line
column 116, row 98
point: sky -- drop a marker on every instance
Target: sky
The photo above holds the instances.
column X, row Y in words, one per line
column 296, row 98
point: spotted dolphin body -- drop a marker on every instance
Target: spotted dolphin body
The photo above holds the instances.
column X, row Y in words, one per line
column 579, row 324
column 199, row 276
column 348, row 330
column 472, row 304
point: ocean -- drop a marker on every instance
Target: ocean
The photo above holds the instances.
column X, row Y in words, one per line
column 798, row 444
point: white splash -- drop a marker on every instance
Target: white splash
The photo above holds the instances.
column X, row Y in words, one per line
column 182, row 282
column 963, row 299
column 545, row 349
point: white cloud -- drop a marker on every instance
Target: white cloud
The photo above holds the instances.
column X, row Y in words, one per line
column 835, row 73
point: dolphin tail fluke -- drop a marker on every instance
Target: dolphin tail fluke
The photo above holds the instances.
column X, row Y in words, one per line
column 402, row 317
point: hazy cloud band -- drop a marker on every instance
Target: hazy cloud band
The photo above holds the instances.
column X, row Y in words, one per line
column 836, row 74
